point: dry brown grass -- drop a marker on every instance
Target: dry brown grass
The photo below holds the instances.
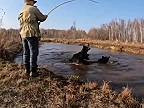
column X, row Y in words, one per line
column 53, row 91
column 10, row 44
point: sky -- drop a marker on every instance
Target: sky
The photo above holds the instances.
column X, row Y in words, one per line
column 86, row 14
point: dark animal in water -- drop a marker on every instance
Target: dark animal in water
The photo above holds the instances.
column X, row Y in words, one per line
column 103, row 60
column 82, row 57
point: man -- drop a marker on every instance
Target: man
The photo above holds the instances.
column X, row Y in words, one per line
column 30, row 19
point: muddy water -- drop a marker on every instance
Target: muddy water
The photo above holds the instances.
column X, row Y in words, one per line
column 122, row 70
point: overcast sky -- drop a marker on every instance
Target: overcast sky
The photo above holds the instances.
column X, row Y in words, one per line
column 85, row 13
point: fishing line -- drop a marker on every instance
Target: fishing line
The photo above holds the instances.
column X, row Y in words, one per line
column 93, row 1
column 66, row 2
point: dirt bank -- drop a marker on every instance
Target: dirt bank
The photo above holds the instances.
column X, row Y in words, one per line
column 114, row 46
column 53, row 91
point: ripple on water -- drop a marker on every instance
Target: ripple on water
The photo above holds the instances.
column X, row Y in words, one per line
column 122, row 70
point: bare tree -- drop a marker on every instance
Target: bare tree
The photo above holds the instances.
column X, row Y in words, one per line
column 120, row 30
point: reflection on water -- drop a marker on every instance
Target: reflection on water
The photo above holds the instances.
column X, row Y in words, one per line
column 122, row 70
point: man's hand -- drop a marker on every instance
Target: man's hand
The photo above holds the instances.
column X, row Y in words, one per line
column 46, row 16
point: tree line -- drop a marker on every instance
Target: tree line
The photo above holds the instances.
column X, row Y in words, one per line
column 117, row 30
column 120, row 30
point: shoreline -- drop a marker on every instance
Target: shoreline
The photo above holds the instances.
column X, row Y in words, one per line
column 54, row 91
column 130, row 48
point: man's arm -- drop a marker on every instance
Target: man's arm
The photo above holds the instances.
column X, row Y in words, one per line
column 39, row 15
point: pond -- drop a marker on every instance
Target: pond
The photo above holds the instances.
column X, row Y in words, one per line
column 123, row 69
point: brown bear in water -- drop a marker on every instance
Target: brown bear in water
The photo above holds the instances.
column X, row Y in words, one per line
column 83, row 58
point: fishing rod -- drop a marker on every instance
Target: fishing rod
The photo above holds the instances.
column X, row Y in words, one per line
column 93, row 1
column 66, row 2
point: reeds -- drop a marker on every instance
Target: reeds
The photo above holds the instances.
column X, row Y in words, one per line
column 10, row 43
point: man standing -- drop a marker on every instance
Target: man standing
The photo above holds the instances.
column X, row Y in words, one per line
column 30, row 18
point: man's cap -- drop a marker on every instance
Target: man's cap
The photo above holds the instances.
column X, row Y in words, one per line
column 30, row 0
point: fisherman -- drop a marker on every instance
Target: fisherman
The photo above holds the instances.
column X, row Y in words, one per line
column 30, row 18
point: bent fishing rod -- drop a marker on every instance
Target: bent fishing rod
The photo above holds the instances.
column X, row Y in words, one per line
column 66, row 2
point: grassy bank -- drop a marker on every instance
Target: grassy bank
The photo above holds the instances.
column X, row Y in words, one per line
column 53, row 91
column 114, row 46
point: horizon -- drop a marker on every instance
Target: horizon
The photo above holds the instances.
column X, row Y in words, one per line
column 87, row 15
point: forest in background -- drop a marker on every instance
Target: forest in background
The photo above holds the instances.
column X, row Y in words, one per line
column 116, row 30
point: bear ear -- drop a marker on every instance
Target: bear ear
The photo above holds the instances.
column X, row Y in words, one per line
column 84, row 46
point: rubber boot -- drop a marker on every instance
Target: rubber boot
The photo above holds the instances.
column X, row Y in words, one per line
column 34, row 72
column 27, row 70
